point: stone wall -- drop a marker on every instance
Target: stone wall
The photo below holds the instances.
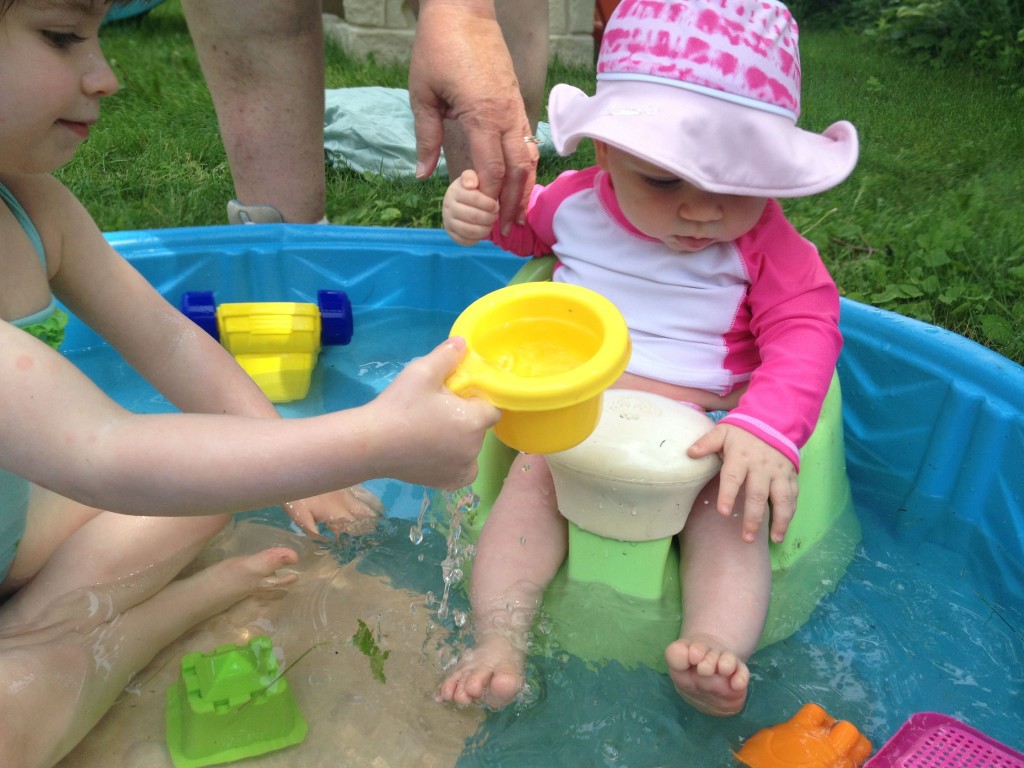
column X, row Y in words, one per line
column 385, row 28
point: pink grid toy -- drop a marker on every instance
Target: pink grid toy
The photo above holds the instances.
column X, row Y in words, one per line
column 931, row 740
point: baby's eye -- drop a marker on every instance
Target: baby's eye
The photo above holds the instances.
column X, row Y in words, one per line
column 62, row 39
column 658, row 183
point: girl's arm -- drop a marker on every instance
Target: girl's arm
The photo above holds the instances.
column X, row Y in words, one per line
column 181, row 361
column 62, row 432
column 185, row 364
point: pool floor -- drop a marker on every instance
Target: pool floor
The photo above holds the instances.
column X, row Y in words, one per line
column 915, row 624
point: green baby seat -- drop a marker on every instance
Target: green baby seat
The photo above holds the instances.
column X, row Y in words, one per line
column 620, row 600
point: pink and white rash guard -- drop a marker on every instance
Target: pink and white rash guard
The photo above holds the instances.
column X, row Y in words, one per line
column 761, row 311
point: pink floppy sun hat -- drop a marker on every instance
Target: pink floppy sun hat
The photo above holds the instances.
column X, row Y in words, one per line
column 709, row 90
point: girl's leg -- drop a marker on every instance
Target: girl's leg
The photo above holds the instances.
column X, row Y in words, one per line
column 57, row 681
column 726, row 584
column 68, row 546
column 521, row 547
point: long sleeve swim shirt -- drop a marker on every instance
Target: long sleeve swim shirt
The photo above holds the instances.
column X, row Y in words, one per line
column 761, row 311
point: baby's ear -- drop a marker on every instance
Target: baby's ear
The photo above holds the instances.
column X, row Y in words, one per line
column 601, row 153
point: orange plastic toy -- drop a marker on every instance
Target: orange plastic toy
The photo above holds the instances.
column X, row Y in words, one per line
column 810, row 739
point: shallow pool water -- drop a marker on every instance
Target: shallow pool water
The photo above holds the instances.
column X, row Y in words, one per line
column 930, row 615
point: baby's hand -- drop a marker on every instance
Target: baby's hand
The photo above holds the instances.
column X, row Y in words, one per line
column 351, row 510
column 764, row 473
column 435, row 435
column 468, row 213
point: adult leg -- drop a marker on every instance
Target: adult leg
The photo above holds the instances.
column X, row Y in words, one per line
column 521, row 546
column 263, row 61
column 726, row 585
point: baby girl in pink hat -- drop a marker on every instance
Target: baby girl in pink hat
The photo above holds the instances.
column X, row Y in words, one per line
column 729, row 309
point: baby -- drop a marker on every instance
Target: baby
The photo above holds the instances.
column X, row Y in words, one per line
column 729, row 309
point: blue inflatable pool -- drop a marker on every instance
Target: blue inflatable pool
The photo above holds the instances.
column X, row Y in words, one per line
column 929, row 615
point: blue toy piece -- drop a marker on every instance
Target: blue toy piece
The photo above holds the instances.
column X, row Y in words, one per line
column 200, row 308
column 276, row 342
column 336, row 323
column 335, row 317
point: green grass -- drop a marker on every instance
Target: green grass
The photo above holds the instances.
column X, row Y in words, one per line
column 931, row 224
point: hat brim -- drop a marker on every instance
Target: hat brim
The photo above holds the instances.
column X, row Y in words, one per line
column 718, row 145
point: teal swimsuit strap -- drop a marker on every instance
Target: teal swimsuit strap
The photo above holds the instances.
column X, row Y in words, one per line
column 25, row 221
column 47, row 324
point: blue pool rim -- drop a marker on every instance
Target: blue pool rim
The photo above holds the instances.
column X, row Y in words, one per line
column 938, row 417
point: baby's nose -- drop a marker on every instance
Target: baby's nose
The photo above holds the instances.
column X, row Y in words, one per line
column 700, row 206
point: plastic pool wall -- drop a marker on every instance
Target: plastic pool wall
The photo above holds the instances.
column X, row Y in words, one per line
column 934, row 423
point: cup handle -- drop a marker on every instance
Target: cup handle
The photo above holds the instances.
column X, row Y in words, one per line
column 462, row 381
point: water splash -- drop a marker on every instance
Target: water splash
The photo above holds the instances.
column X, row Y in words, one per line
column 458, row 505
column 455, row 506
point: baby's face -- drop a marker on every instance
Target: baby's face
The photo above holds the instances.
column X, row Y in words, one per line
column 663, row 206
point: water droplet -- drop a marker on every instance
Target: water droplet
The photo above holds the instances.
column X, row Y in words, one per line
column 609, row 751
column 415, row 534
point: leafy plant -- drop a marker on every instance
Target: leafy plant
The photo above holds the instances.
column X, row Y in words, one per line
column 364, row 640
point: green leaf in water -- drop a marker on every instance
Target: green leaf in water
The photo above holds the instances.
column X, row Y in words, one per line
column 363, row 640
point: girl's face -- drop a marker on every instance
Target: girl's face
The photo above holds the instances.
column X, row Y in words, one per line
column 52, row 77
column 683, row 217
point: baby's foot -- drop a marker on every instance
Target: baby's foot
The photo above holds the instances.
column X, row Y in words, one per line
column 710, row 678
column 489, row 674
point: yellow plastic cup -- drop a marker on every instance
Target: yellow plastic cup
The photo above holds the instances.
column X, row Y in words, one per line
column 543, row 353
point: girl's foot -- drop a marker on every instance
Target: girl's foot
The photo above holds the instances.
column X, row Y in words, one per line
column 94, row 640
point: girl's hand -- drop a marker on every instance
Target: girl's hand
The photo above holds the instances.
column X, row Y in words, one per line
column 352, row 510
column 765, row 474
column 468, row 213
column 432, row 435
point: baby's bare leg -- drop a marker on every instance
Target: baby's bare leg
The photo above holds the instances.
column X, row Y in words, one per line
column 521, row 547
column 726, row 586
column 57, row 680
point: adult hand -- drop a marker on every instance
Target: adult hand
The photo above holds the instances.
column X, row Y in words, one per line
column 461, row 70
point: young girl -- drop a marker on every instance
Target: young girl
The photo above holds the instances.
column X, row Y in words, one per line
column 729, row 309
column 87, row 577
